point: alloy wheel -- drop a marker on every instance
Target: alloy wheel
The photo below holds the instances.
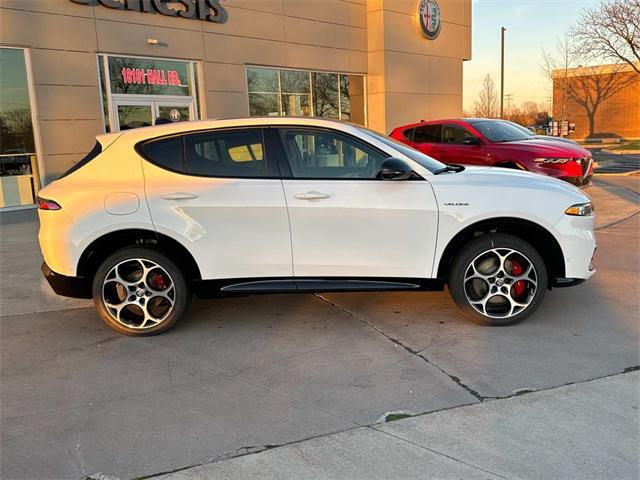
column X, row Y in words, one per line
column 138, row 293
column 500, row 283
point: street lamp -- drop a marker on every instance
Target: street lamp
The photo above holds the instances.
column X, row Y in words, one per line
column 502, row 30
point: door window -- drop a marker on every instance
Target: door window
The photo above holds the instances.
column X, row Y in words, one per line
column 427, row 134
column 454, row 134
column 328, row 155
column 232, row 153
column 134, row 116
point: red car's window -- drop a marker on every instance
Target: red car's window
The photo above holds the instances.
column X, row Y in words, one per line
column 427, row 134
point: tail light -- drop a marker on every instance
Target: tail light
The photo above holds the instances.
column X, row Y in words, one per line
column 44, row 204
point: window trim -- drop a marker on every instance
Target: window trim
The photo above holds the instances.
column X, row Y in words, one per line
column 272, row 169
column 285, row 166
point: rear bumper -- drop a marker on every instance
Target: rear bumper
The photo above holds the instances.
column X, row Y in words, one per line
column 77, row 287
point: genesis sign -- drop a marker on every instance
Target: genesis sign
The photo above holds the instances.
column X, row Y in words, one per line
column 210, row 10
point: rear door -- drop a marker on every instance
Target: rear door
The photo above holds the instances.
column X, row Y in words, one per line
column 426, row 138
column 219, row 194
column 344, row 221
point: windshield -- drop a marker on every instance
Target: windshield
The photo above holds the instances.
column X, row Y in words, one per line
column 426, row 161
column 500, row 131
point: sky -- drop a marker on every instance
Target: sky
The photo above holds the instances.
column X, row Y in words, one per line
column 531, row 26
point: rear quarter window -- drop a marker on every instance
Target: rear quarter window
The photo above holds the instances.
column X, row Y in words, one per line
column 166, row 152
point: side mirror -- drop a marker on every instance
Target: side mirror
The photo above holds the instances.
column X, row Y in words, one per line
column 470, row 140
column 395, row 169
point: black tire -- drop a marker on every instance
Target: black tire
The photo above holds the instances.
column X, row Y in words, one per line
column 475, row 251
column 172, row 280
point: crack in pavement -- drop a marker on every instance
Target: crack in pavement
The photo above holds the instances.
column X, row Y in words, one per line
column 253, row 449
column 416, row 353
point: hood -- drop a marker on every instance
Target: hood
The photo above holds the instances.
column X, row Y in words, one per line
column 549, row 138
column 548, row 148
column 507, row 177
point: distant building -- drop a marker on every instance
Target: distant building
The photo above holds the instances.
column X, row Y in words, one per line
column 617, row 115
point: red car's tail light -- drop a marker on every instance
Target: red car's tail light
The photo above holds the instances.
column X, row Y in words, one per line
column 44, row 204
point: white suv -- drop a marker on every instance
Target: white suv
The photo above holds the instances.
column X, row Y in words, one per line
column 259, row 205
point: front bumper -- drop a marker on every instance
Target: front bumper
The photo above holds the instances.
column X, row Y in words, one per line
column 76, row 287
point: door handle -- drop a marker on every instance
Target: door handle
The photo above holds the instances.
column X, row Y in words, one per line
column 311, row 196
column 179, row 196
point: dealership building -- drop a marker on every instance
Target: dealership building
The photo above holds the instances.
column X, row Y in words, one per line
column 73, row 69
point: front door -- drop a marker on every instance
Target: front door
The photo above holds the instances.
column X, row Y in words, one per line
column 345, row 222
column 452, row 150
column 144, row 111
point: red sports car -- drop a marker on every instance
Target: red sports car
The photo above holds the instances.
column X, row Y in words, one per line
column 497, row 143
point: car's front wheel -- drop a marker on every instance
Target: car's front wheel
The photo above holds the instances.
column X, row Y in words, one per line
column 139, row 291
column 498, row 279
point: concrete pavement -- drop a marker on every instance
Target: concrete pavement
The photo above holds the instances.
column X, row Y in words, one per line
column 581, row 431
column 242, row 374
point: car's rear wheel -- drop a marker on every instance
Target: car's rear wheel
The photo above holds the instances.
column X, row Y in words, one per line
column 139, row 291
column 498, row 279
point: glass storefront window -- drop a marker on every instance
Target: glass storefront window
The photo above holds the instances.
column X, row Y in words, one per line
column 325, row 95
column 264, row 92
column 296, row 93
column 18, row 170
column 148, row 76
column 303, row 93
column 138, row 92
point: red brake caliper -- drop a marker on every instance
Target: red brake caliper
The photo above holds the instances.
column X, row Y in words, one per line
column 518, row 287
column 158, row 282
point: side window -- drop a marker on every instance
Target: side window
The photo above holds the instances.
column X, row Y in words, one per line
column 166, row 152
column 427, row 134
column 327, row 155
column 231, row 153
column 408, row 134
column 454, row 133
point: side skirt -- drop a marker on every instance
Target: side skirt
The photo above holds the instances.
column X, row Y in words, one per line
column 243, row 286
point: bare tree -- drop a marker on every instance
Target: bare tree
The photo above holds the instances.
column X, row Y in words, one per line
column 486, row 106
column 587, row 87
column 610, row 32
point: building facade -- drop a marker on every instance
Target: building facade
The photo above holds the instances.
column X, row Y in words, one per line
column 72, row 69
column 602, row 101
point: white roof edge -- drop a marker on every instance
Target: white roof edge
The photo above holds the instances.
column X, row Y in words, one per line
column 179, row 127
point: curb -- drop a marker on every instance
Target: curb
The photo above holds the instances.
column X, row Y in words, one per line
column 632, row 173
column 622, row 152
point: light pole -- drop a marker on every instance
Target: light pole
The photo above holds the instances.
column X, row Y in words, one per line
column 502, row 30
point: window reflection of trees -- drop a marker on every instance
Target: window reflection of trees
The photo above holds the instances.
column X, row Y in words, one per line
column 304, row 93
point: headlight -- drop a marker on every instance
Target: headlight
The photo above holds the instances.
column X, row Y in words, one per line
column 552, row 160
column 580, row 210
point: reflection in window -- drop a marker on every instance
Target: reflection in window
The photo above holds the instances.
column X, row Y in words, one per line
column 16, row 129
column 325, row 95
column 225, row 154
column 264, row 92
column 18, row 176
column 319, row 154
column 303, row 93
column 296, row 93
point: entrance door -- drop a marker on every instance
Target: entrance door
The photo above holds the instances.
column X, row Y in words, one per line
column 139, row 112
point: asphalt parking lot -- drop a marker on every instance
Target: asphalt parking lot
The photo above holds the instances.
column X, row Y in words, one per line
column 243, row 374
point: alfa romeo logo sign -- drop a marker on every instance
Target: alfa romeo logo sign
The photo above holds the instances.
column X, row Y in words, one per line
column 174, row 114
column 429, row 18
